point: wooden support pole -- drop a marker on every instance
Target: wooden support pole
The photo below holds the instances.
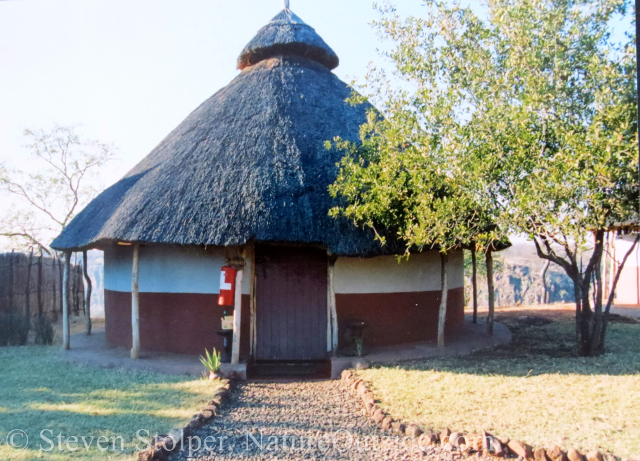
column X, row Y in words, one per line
column 61, row 279
column 333, row 315
column 66, row 336
column 237, row 318
column 444, row 291
column 135, row 304
column 254, row 326
column 87, row 293
column 474, row 283
column 491, row 292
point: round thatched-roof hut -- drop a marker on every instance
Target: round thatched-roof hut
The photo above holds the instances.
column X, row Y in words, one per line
column 243, row 181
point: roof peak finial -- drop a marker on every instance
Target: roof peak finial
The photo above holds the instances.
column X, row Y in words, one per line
column 286, row 4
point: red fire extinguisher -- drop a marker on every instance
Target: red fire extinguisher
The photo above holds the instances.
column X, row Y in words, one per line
column 227, row 286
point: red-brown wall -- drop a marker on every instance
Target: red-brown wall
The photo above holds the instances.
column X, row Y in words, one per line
column 185, row 323
column 399, row 318
column 180, row 323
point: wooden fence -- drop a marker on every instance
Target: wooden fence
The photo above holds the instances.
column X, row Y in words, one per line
column 32, row 285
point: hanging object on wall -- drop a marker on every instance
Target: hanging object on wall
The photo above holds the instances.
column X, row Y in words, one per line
column 227, row 286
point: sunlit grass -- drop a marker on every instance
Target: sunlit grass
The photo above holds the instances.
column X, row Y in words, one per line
column 40, row 392
column 527, row 391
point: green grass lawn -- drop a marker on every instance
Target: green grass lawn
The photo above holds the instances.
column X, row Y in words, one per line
column 535, row 389
column 39, row 391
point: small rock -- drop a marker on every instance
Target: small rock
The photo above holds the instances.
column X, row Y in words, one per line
column 216, row 401
column 540, row 454
column 454, row 438
column 413, row 431
column 398, row 427
column 146, row 455
column 368, row 406
column 356, row 383
column 433, row 438
column 595, row 456
column 574, row 455
column 444, row 433
column 386, row 423
column 367, row 395
column 373, row 409
column 556, row 454
column 504, row 440
column 477, row 443
column 207, row 415
column 346, row 374
column 378, row 417
column 521, row 449
column 498, row 449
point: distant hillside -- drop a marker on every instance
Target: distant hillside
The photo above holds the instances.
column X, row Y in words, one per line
column 518, row 278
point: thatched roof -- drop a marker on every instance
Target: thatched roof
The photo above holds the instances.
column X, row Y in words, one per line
column 248, row 164
column 287, row 34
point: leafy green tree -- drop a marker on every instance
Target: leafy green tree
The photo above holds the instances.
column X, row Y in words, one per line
column 527, row 114
column 399, row 182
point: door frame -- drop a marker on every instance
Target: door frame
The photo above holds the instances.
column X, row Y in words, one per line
column 332, row 317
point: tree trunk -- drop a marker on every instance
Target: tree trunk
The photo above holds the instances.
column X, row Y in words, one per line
column 87, row 294
column 27, row 293
column 54, row 284
column 596, row 321
column 474, row 284
column 74, row 287
column 591, row 321
column 11, row 282
column 489, row 260
column 442, row 315
column 614, row 283
column 545, row 293
column 40, row 304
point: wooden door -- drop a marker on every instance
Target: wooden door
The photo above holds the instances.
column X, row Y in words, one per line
column 291, row 303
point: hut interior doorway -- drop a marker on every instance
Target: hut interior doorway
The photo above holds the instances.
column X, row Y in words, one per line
column 291, row 303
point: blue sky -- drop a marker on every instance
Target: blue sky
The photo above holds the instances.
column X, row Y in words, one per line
column 129, row 71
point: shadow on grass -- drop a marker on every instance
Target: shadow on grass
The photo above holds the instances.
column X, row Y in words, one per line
column 39, row 392
column 543, row 344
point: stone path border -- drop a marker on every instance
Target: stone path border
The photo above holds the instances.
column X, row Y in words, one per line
column 165, row 445
column 482, row 444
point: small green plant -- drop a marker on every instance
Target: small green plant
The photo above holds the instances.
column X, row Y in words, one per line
column 44, row 331
column 211, row 361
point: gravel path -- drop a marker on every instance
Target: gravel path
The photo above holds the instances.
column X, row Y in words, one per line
column 297, row 420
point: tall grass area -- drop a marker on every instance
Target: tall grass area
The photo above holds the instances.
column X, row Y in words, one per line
column 535, row 389
column 40, row 392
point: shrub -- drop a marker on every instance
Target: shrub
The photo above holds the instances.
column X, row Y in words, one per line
column 44, row 331
column 14, row 329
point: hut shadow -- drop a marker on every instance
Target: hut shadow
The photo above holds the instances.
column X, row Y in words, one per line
column 544, row 345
